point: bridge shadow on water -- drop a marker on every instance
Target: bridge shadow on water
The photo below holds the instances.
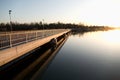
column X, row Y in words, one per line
column 27, row 66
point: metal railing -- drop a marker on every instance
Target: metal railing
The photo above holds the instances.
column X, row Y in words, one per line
column 8, row 39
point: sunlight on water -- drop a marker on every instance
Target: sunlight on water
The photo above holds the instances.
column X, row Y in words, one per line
column 112, row 37
column 87, row 56
column 105, row 43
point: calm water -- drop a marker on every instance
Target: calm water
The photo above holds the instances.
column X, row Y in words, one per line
column 88, row 56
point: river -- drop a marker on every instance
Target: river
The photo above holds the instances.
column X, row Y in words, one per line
column 87, row 56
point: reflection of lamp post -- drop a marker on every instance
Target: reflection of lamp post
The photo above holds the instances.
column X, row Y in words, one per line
column 10, row 19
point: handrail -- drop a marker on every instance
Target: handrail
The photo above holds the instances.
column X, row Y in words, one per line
column 8, row 39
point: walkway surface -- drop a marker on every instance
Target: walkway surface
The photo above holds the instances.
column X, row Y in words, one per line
column 16, row 44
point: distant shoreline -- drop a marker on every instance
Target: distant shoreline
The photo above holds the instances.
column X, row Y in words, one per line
column 40, row 26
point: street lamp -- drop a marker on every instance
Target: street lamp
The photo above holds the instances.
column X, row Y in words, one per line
column 10, row 27
column 10, row 19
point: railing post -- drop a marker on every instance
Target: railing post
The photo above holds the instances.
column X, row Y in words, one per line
column 10, row 39
column 36, row 35
column 26, row 37
column 1, row 44
column 52, row 32
column 43, row 34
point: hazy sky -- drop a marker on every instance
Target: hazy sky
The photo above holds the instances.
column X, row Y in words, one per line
column 96, row 12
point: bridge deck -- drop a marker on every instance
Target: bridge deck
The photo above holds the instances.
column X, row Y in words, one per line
column 16, row 44
column 9, row 39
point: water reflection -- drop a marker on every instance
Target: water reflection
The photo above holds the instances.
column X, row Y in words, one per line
column 92, row 56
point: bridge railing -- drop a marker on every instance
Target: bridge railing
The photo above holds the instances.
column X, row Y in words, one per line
column 11, row 39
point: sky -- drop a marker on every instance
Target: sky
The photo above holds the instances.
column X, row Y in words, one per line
column 90, row 12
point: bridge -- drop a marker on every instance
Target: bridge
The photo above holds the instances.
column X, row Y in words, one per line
column 16, row 44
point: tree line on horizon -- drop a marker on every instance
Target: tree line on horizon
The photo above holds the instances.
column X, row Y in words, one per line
column 40, row 26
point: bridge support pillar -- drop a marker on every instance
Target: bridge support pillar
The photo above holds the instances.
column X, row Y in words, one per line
column 53, row 43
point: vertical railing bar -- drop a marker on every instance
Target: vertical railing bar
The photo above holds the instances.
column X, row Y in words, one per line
column 10, row 39
column 26, row 37
column 36, row 35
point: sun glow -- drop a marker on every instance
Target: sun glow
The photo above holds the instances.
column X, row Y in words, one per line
column 101, row 12
column 112, row 36
column 88, row 12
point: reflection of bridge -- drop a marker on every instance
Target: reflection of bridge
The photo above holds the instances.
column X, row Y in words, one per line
column 16, row 44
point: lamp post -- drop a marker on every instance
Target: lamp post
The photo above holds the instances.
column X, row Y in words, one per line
column 10, row 27
column 10, row 20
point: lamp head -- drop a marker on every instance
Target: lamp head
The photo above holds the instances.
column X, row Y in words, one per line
column 10, row 11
